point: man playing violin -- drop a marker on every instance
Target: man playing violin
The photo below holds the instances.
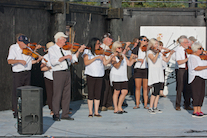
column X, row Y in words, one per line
column 21, row 67
column 61, row 60
column 182, row 74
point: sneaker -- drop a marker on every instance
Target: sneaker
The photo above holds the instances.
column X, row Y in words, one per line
column 204, row 115
column 151, row 111
column 157, row 110
column 197, row 115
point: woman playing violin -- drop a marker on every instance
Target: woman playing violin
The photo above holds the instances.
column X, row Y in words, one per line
column 21, row 67
column 197, row 75
column 94, row 70
column 140, row 71
column 118, row 76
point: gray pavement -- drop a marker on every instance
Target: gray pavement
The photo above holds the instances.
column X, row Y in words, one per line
column 137, row 122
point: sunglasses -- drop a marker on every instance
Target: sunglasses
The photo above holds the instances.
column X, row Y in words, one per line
column 200, row 48
column 119, row 47
column 143, row 40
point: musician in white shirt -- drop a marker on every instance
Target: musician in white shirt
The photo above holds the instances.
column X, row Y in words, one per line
column 21, row 67
column 182, row 75
column 61, row 60
column 94, row 70
column 197, row 76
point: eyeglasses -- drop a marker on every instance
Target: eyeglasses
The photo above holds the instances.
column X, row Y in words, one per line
column 200, row 48
column 143, row 40
column 119, row 47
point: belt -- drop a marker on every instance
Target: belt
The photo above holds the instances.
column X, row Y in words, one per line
column 64, row 70
column 22, row 71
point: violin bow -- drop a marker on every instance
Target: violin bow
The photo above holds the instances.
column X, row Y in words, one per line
column 36, row 53
column 169, row 38
column 171, row 44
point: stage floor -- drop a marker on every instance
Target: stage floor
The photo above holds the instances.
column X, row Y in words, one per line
column 137, row 122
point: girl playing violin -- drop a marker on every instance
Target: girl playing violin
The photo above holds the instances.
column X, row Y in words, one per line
column 94, row 70
column 118, row 76
column 140, row 71
column 155, row 74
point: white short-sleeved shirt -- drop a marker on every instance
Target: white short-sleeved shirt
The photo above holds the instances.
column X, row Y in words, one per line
column 155, row 71
column 138, row 64
column 120, row 74
column 96, row 68
column 105, row 47
column 15, row 53
column 55, row 54
column 47, row 74
column 180, row 55
column 193, row 62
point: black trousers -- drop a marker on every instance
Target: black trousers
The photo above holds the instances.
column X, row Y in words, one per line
column 19, row 79
column 198, row 91
column 106, row 92
column 163, row 83
column 156, row 87
column 183, row 86
column 49, row 91
column 61, row 92
column 94, row 87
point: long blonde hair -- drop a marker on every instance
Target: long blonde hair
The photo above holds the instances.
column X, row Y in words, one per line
column 151, row 43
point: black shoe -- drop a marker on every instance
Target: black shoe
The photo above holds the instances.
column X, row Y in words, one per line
column 118, row 112
column 55, row 118
column 124, row 111
column 67, row 118
column 15, row 116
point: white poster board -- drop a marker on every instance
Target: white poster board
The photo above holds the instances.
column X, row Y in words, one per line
column 169, row 34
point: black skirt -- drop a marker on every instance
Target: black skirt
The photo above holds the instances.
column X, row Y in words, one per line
column 141, row 73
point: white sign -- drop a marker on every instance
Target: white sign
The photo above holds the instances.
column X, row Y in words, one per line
column 169, row 34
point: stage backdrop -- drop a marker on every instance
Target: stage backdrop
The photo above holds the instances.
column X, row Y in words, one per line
column 168, row 35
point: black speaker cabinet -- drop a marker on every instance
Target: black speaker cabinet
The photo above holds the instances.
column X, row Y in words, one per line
column 29, row 106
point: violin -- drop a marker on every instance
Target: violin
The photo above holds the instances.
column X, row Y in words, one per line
column 203, row 57
column 166, row 52
column 33, row 46
column 189, row 50
column 73, row 47
column 154, row 49
column 31, row 53
column 144, row 48
column 101, row 51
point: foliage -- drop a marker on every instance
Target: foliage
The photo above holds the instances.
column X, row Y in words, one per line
column 150, row 4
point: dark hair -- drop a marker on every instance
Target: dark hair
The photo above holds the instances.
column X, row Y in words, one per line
column 140, row 38
column 92, row 43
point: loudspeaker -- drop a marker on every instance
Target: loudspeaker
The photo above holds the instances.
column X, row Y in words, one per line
column 29, row 106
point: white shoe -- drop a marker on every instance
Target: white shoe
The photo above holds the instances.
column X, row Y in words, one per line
column 157, row 110
column 151, row 111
